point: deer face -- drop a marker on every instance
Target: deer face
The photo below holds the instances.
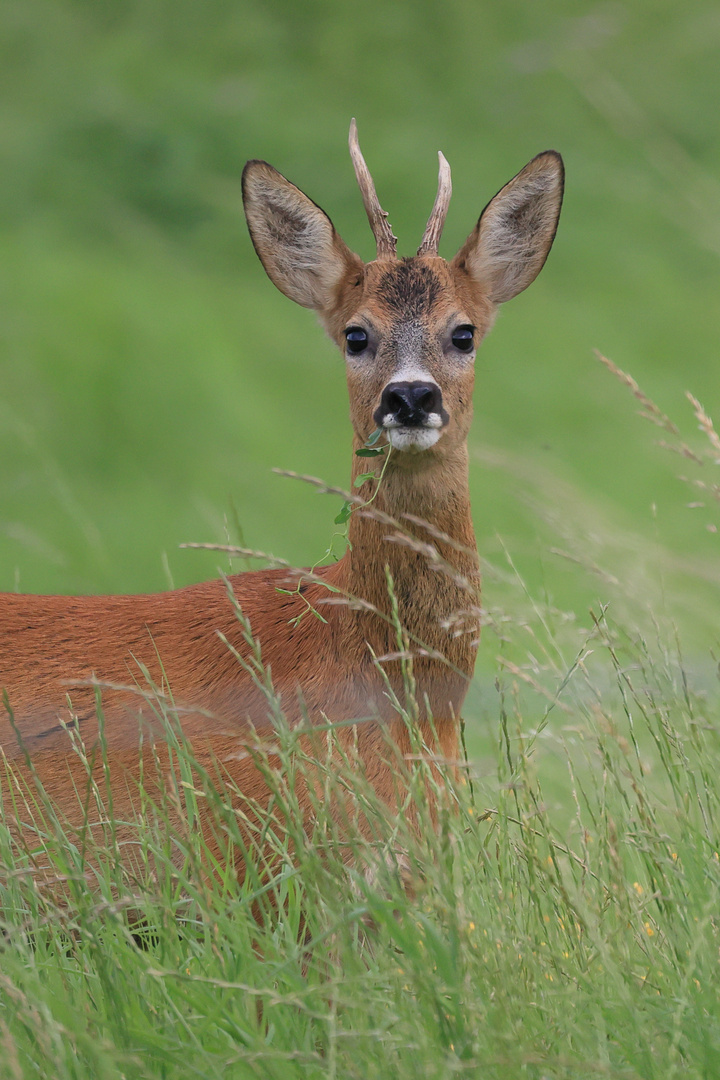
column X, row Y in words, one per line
column 408, row 327
column 409, row 341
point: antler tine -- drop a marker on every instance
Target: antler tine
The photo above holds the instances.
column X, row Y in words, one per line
column 386, row 242
column 434, row 227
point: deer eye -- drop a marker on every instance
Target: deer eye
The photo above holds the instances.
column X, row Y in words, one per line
column 463, row 338
column 356, row 338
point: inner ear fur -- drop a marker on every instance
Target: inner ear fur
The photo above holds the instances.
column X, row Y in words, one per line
column 510, row 243
column 295, row 240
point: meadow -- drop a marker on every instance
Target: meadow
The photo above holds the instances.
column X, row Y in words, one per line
column 558, row 919
column 563, row 921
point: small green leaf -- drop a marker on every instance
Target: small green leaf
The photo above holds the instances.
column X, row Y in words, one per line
column 367, row 452
column 360, row 480
column 374, row 437
column 344, row 513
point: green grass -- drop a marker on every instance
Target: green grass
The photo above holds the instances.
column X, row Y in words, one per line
column 562, row 919
column 558, row 919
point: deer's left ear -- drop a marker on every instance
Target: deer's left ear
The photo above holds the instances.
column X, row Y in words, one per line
column 510, row 243
column 296, row 241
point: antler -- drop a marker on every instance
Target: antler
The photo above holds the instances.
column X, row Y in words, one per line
column 434, row 227
column 386, row 242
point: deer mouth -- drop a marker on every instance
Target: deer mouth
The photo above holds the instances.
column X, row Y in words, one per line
column 412, row 439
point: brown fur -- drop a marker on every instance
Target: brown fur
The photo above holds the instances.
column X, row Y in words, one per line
column 50, row 644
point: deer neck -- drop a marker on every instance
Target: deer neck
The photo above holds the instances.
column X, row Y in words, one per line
column 430, row 590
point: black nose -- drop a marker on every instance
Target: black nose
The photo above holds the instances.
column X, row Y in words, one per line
column 409, row 403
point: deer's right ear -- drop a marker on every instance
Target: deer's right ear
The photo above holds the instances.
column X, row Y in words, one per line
column 295, row 240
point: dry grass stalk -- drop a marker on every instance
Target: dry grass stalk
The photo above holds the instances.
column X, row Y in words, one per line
column 650, row 410
column 681, row 449
column 525, row 677
column 704, row 422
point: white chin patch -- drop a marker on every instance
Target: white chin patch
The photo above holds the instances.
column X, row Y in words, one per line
column 413, row 439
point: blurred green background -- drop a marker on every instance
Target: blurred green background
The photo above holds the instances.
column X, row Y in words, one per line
column 151, row 376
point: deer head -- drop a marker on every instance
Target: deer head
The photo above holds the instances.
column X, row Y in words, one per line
column 408, row 327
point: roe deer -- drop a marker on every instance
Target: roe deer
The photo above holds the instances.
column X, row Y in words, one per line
column 408, row 329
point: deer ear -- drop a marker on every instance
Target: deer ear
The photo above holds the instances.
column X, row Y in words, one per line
column 510, row 243
column 295, row 240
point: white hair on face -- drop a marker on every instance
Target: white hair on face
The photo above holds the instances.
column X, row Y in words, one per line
column 413, row 438
column 411, row 373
